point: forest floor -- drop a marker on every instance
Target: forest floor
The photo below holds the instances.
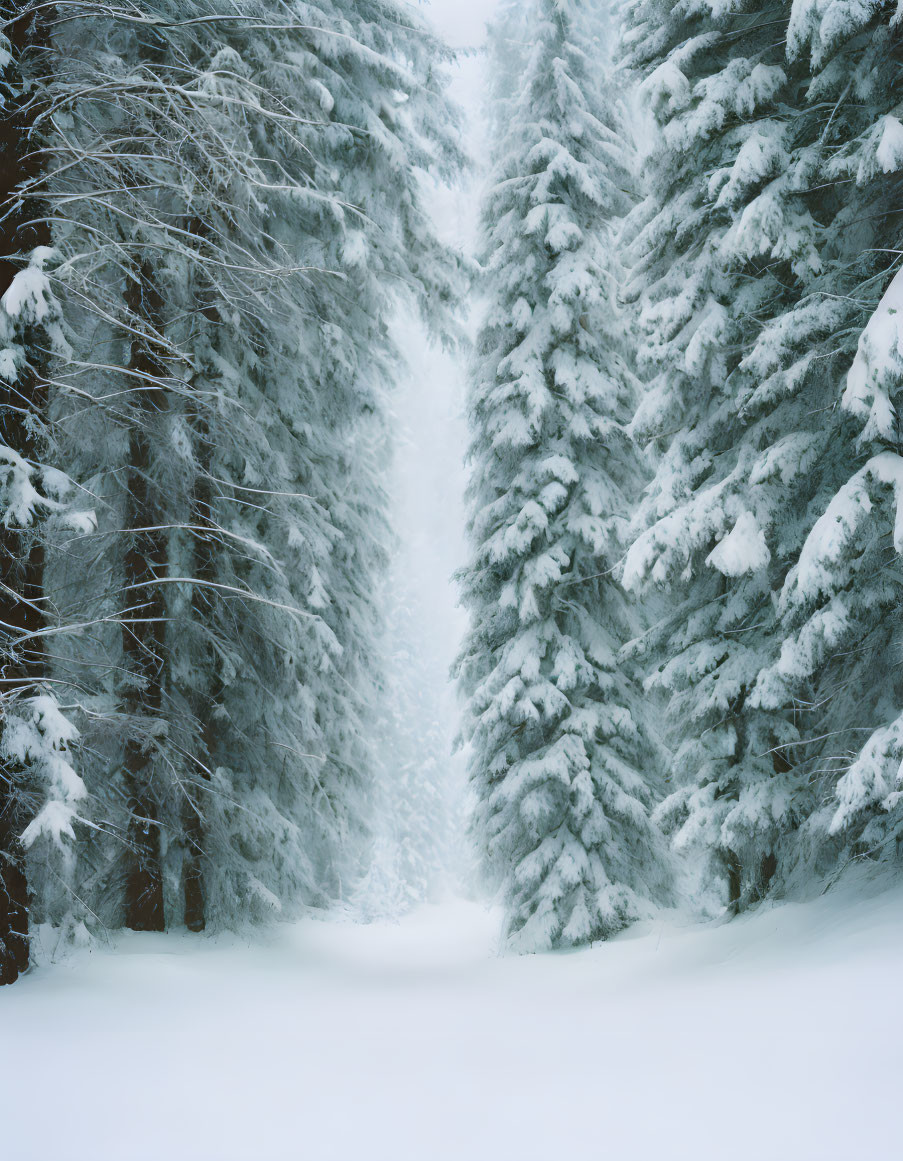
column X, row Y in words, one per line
column 776, row 1036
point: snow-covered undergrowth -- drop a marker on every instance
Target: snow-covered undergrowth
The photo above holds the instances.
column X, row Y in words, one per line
column 775, row 1036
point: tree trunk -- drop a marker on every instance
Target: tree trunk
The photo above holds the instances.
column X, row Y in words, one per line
column 143, row 628
column 767, row 870
column 23, row 408
column 202, row 696
column 201, row 699
column 734, row 880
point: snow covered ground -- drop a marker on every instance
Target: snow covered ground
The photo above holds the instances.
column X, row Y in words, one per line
column 774, row 1037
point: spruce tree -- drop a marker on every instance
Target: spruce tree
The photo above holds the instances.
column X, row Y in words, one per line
column 718, row 238
column 237, row 210
column 39, row 790
column 304, row 750
column 750, row 256
column 840, row 602
column 560, row 765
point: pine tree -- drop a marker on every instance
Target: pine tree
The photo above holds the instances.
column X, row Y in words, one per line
column 744, row 257
column 237, row 211
column 319, row 388
column 560, row 765
column 840, row 601
column 715, row 84
column 39, row 790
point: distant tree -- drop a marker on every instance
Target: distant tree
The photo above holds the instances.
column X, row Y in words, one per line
column 561, row 764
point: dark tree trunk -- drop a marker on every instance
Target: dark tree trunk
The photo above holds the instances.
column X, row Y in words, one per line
column 767, row 872
column 143, row 628
column 201, row 697
column 23, row 408
column 202, row 700
column 734, row 880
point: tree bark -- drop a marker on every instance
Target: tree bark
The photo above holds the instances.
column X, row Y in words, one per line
column 143, row 628
column 23, row 407
column 734, row 870
column 202, row 700
column 202, row 695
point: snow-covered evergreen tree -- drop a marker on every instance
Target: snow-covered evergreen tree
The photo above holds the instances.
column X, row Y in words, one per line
column 840, row 602
column 712, row 245
column 42, row 791
column 560, row 764
column 318, row 388
column 237, row 212
column 39, row 790
column 746, row 251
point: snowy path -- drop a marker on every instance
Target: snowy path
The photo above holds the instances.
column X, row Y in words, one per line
column 775, row 1037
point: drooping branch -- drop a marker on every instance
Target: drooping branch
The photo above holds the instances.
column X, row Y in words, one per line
column 23, row 404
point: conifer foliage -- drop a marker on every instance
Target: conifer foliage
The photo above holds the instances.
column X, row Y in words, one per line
column 39, row 790
column 232, row 197
column 560, row 764
column 840, row 603
column 727, row 263
column 764, row 243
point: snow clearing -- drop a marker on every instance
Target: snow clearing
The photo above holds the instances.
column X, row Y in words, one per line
column 775, row 1035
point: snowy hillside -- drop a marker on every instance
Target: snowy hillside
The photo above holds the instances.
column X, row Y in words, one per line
column 775, row 1036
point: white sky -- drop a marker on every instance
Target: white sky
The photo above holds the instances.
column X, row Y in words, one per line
column 461, row 22
column 428, row 478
